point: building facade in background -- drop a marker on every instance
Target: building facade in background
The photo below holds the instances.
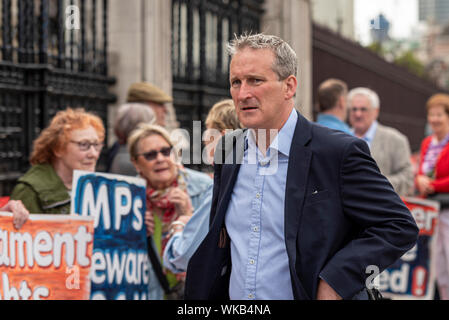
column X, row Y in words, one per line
column 337, row 15
column 179, row 45
column 434, row 50
column 53, row 55
column 434, row 11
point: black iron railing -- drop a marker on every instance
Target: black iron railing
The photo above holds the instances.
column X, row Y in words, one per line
column 200, row 32
column 53, row 56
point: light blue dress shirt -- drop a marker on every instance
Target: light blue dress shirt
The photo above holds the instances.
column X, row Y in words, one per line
column 255, row 221
column 370, row 133
column 333, row 122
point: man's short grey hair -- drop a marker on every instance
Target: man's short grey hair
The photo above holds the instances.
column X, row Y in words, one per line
column 285, row 63
column 366, row 92
column 129, row 116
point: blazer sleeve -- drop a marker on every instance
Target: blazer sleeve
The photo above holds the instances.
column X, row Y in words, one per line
column 384, row 228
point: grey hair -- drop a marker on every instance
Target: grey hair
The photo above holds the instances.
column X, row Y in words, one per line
column 128, row 117
column 366, row 92
column 285, row 62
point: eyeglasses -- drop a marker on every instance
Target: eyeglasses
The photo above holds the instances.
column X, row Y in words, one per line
column 152, row 154
column 361, row 109
column 85, row 145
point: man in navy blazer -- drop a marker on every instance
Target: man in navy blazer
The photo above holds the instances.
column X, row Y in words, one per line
column 310, row 228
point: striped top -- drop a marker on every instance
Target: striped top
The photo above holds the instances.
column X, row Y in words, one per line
column 432, row 154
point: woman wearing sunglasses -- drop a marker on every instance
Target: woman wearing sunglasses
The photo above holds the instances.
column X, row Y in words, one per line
column 72, row 141
column 174, row 193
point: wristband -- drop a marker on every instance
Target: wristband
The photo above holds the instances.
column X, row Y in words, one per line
column 178, row 223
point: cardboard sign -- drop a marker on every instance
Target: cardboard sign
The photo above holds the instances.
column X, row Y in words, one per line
column 120, row 265
column 48, row 258
column 413, row 276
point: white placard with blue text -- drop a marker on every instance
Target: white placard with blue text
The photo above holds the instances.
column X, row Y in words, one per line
column 120, row 265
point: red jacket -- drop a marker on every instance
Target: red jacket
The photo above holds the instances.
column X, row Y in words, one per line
column 441, row 183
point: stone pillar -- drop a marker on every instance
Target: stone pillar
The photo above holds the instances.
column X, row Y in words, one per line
column 291, row 20
column 139, row 49
column 157, row 50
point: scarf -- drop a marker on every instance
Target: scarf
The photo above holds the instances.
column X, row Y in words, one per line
column 157, row 198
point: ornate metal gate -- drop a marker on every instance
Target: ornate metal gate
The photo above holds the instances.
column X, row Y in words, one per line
column 200, row 31
column 53, row 55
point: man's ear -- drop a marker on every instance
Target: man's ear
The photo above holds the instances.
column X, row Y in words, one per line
column 377, row 112
column 341, row 103
column 291, row 84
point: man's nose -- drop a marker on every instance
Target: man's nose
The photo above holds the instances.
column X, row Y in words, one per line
column 244, row 91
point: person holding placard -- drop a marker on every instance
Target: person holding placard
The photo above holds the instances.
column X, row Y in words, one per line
column 433, row 178
column 172, row 190
column 72, row 141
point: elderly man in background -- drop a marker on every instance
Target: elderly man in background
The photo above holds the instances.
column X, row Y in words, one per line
column 154, row 97
column 388, row 146
column 332, row 105
column 128, row 118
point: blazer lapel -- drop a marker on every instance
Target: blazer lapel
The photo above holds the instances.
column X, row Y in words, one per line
column 297, row 173
column 229, row 172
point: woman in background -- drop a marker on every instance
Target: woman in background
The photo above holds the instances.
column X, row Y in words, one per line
column 72, row 141
column 172, row 190
column 433, row 177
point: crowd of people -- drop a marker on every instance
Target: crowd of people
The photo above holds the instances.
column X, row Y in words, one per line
column 307, row 230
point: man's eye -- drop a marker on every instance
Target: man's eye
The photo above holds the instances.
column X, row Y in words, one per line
column 255, row 81
column 235, row 83
column 85, row 144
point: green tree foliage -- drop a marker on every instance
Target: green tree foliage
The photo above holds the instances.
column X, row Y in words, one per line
column 377, row 47
column 408, row 60
column 404, row 58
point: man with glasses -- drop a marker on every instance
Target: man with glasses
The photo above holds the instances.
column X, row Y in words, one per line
column 388, row 146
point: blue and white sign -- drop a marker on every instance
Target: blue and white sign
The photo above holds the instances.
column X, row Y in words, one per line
column 120, row 265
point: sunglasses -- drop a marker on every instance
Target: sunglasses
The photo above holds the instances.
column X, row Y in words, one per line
column 152, row 154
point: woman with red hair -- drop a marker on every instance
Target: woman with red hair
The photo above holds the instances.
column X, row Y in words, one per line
column 72, row 141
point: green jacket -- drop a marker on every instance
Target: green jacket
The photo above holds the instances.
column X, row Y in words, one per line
column 42, row 191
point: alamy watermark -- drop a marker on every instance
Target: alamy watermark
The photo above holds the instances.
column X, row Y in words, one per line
column 72, row 282
column 235, row 147
column 72, row 17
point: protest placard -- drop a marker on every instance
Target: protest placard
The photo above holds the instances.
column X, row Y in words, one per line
column 413, row 276
column 48, row 258
column 120, row 265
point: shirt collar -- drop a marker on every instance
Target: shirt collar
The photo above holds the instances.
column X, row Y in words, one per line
column 327, row 117
column 283, row 140
column 369, row 134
